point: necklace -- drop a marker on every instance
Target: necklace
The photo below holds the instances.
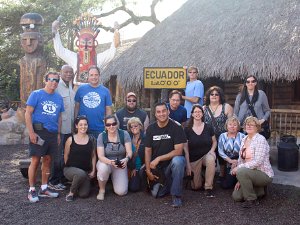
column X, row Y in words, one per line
column 214, row 110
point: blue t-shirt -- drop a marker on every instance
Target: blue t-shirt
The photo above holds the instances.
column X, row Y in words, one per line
column 193, row 89
column 92, row 103
column 178, row 115
column 47, row 108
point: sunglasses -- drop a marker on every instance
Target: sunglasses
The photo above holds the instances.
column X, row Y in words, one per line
column 51, row 79
column 111, row 124
column 212, row 94
column 129, row 100
column 250, row 81
column 81, row 117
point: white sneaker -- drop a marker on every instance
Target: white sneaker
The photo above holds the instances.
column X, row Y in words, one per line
column 100, row 196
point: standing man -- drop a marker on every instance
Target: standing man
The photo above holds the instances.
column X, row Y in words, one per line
column 65, row 89
column 194, row 91
column 131, row 110
column 177, row 111
column 94, row 101
column 43, row 121
column 164, row 148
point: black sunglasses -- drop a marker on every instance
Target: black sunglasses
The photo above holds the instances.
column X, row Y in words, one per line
column 51, row 79
column 111, row 124
column 129, row 100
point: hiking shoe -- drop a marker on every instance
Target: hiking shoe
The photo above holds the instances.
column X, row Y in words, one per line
column 100, row 196
column 176, row 202
column 250, row 203
column 57, row 187
column 209, row 193
column 70, row 198
column 48, row 193
column 32, row 196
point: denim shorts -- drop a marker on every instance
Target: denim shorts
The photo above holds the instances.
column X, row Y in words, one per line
column 48, row 148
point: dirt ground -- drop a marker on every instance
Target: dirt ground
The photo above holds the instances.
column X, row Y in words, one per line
column 282, row 205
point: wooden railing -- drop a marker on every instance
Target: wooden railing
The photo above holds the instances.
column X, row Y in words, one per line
column 285, row 121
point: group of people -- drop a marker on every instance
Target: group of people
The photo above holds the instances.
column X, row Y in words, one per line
column 184, row 140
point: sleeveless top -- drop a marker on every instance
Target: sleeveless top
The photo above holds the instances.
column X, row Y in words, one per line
column 80, row 156
column 220, row 120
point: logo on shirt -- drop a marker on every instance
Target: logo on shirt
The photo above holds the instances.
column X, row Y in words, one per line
column 49, row 107
column 161, row 137
column 92, row 100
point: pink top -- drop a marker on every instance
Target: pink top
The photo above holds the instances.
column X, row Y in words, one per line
column 259, row 149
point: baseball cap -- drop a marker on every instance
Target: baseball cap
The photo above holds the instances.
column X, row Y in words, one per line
column 130, row 94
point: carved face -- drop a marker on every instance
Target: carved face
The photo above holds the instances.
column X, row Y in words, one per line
column 31, row 41
column 86, row 42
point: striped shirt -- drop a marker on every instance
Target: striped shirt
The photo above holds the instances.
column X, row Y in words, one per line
column 230, row 147
column 260, row 151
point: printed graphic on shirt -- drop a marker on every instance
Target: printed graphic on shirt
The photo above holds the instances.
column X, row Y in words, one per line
column 161, row 137
column 49, row 108
column 92, row 100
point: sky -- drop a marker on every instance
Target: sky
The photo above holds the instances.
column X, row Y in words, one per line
column 163, row 10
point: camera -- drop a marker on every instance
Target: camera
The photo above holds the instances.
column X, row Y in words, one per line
column 118, row 163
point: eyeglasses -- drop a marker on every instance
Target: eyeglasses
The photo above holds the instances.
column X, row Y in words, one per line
column 111, row 124
column 251, row 81
column 51, row 79
column 134, row 126
column 214, row 94
column 131, row 100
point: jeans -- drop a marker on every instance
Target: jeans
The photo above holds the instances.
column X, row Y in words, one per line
column 174, row 174
column 58, row 161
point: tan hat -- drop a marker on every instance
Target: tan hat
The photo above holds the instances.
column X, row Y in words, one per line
column 130, row 94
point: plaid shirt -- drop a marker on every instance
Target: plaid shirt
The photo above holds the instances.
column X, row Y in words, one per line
column 260, row 149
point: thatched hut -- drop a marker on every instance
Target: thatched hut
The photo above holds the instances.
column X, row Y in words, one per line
column 226, row 40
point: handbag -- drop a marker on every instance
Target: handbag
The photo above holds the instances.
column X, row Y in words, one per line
column 265, row 126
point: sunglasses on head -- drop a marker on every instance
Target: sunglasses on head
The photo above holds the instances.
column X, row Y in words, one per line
column 131, row 100
column 111, row 124
column 81, row 117
column 251, row 81
column 51, row 79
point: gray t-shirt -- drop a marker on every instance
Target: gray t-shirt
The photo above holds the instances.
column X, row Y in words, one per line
column 114, row 150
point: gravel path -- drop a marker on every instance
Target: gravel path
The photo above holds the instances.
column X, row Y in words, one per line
column 281, row 207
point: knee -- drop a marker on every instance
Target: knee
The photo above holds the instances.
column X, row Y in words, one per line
column 178, row 162
column 236, row 196
column 242, row 173
column 121, row 191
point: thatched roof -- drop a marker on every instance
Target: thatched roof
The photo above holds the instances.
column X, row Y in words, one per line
column 223, row 38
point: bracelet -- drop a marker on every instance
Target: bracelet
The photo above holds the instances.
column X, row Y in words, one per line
column 128, row 158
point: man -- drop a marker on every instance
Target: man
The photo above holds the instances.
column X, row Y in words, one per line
column 131, row 110
column 94, row 101
column 177, row 111
column 43, row 121
column 65, row 89
column 194, row 91
column 164, row 147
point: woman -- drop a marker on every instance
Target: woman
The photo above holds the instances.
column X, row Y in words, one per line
column 252, row 102
column 216, row 113
column 229, row 145
column 114, row 152
column 80, row 159
column 200, row 150
column 254, row 171
column 135, row 128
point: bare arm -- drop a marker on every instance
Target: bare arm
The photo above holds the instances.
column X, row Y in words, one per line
column 108, row 110
column 148, row 154
column 228, row 110
column 187, row 159
column 193, row 100
column 59, row 128
column 146, row 123
column 67, row 149
column 214, row 144
column 76, row 109
column 92, row 173
column 28, row 121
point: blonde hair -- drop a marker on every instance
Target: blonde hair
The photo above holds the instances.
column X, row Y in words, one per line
column 134, row 120
column 233, row 119
column 253, row 119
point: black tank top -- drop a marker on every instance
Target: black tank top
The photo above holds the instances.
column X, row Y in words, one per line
column 80, row 156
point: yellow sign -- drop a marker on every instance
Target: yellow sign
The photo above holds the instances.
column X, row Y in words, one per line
column 164, row 77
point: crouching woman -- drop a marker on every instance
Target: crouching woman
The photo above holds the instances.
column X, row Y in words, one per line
column 254, row 171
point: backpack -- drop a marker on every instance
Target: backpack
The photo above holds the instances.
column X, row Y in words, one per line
column 105, row 137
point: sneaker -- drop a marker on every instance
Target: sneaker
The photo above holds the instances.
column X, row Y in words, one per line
column 250, row 203
column 57, row 187
column 100, row 196
column 70, row 198
column 48, row 193
column 32, row 196
column 209, row 193
column 176, row 202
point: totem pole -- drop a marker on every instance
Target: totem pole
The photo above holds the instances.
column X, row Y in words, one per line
column 87, row 28
column 33, row 64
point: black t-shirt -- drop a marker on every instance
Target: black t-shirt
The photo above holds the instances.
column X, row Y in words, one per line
column 199, row 145
column 123, row 116
column 162, row 140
